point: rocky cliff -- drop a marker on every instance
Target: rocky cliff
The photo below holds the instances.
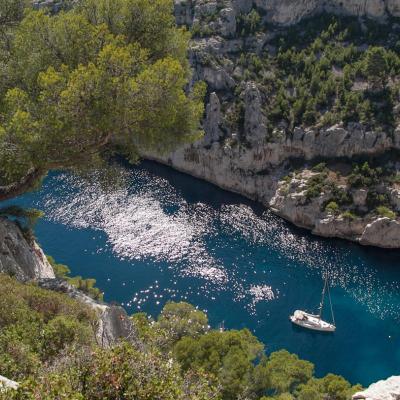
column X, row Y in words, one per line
column 19, row 258
column 243, row 151
column 26, row 261
column 288, row 12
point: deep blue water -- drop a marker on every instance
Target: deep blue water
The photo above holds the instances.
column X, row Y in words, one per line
column 159, row 235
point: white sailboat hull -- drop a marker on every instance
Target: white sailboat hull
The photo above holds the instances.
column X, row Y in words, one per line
column 310, row 321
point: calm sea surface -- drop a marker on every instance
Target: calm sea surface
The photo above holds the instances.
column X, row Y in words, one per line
column 159, row 235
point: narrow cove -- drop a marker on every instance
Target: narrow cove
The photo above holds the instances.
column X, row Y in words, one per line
column 161, row 235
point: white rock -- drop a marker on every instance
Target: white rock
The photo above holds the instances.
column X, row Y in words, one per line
column 382, row 390
column 7, row 384
column 394, row 195
column 383, row 232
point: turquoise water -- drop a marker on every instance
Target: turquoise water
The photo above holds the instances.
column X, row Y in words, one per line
column 158, row 235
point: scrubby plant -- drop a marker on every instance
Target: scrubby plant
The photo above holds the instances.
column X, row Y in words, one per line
column 332, row 208
column 386, row 212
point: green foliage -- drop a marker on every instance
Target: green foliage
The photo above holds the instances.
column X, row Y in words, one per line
column 376, row 66
column 47, row 344
column 332, row 208
column 26, row 217
column 315, row 70
column 364, row 176
column 319, row 167
column 228, row 355
column 36, row 326
column 349, row 215
column 315, row 185
column 286, row 371
column 180, row 320
column 80, row 82
column 121, row 372
column 248, row 24
column 386, row 212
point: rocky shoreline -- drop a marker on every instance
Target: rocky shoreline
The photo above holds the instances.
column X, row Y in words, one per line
column 245, row 157
column 259, row 172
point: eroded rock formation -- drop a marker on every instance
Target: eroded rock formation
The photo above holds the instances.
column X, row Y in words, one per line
column 24, row 260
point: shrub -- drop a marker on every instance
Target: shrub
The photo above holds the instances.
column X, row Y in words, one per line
column 385, row 212
column 321, row 167
column 348, row 215
column 332, row 208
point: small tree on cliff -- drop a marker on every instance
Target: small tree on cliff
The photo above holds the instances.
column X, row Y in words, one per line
column 77, row 85
column 376, row 67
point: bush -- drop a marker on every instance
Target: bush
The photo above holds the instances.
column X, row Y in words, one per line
column 348, row 215
column 386, row 212
column 321, row 167
column 41, row 326
column 332, row 208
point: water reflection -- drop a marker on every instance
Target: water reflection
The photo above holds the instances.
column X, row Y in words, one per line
column 158, row 235
column 148, row 218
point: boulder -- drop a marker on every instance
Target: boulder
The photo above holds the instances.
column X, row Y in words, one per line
column 340, row 227
column 7, row 384
column 394, row 196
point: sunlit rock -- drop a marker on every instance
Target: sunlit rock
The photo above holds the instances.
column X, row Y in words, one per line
column 20, row 258
column 382, row 390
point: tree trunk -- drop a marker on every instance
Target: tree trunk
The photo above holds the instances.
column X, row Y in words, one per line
column 21, row 187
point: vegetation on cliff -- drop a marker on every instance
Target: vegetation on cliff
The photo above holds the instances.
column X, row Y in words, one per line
column 47, row 343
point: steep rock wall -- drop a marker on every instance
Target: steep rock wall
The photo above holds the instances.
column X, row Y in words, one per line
column 26, row 261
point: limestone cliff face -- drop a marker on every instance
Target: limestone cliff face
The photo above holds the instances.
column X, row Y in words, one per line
column 19, row 258
column 289, row 12
column 291, row 203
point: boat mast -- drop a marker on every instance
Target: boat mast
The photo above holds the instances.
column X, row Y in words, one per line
column 330, row 302
column 321, row 305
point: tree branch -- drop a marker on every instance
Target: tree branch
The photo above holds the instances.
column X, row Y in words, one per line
column 24, row 185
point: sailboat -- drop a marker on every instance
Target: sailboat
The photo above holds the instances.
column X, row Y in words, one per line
column 315, row 322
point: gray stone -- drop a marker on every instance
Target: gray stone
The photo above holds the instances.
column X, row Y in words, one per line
column 213, row 120
column 383, row 232
column 255, row 128
column 359, row 197
column 26, row 261
column 7, row 384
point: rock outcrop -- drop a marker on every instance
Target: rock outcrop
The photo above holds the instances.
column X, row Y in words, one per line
column 7, row 384
column 26, row 261
column 213, row 120
column 383, row 390
column 255, row 125
column 113, row 322
column 286, row 12
column 382, row 232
